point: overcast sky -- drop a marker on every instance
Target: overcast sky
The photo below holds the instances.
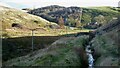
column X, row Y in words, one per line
column 41, row 3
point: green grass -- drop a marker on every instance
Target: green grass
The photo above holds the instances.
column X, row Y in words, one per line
column 10, row 16
column 63, row 54
column 104, row 8
column 50, row 32
column 106, row 47
column 11, row 46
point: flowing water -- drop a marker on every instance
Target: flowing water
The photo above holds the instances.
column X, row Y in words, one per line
column 90, row 57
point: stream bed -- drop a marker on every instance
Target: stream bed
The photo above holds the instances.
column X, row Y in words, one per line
column 90, row 56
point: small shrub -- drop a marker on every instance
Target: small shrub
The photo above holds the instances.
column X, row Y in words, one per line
column 36, row 21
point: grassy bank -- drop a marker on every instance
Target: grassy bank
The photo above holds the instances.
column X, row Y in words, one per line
column 63, row 52
column 15, row 47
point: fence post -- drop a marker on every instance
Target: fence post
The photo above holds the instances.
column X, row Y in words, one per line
column 32, row 41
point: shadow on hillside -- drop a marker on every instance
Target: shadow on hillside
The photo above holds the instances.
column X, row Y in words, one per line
column 15, row 47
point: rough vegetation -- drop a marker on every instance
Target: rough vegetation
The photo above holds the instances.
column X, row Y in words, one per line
column 60, row 53
column 15, row 47
column 106, row 45
column 73, row 15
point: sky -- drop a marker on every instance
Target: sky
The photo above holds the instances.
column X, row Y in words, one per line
column 67, row 3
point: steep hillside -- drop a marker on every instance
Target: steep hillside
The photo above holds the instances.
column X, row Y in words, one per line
column 11, row 18
column 54, row 12
column 63, row 52
column 106, row 44
column 73, row 15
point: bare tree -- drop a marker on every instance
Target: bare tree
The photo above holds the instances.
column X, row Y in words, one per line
column 78, row 23
column 61, row 22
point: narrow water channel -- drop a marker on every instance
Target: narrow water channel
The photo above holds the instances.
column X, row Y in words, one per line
column 90, row 56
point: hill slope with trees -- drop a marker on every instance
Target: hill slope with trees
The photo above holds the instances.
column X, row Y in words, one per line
column 79, row 16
